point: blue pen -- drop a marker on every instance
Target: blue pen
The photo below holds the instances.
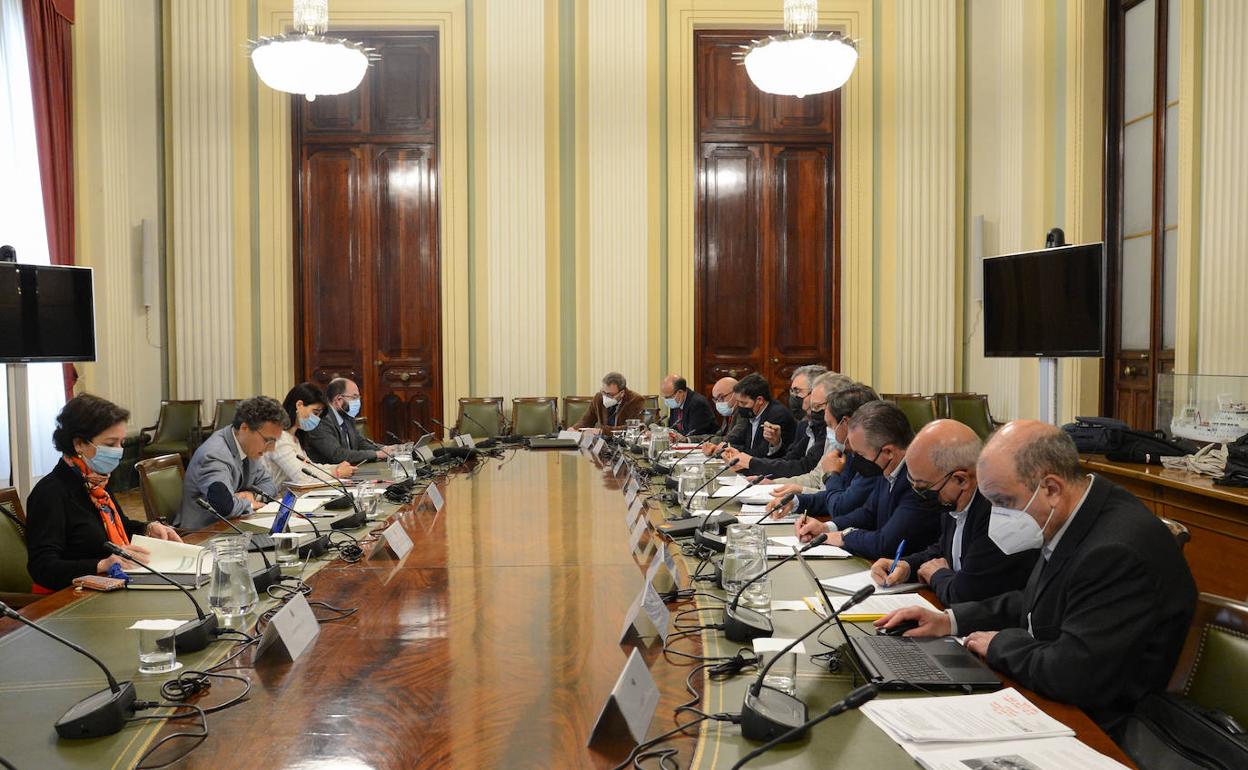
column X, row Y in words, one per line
column 900, row 547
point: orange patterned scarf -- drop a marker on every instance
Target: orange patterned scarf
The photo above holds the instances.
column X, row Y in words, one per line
column 104, row 502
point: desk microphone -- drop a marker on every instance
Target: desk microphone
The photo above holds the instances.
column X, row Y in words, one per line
column 465, row 453
column 741, row 624
column 354, row 521
column 191, row 636
column 768, row 713
column 853, row 700
column 100, row 713
column 261, row 578
column 486, row 442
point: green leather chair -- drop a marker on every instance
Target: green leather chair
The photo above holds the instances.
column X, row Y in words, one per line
column 160, row 480
column 175, row 431
column 223, row 414
column 919, row 410
column 487, row 417
column 14, row 579
column 534, row 416
column 574, row 408
column 1215, row 656
column 970, row 409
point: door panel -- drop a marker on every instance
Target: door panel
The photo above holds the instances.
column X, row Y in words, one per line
column 729, row 102
column 405, row 87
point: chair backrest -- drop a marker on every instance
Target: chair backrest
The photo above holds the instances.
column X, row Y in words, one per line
column 1181, row 535
column 361, row 427
column 486, row 416
column 654, row 403
column 177, row 420
column 970, row 409
column 574, row 408
column 534, row 416
column 13, row 575
column 919, row 410
column 223, row 414
column 160, row 480
column 942, row 402
column 1214, row 656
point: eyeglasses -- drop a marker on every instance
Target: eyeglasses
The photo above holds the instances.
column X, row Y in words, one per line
column 930, row 491
column 799, row 392
column 722, row 399
column 819, row 407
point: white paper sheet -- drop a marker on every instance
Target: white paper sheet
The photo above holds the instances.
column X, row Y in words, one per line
column 1004, row 715
column 170, row 557
column 856, row 581
column 1035, row 753
column 780, row 547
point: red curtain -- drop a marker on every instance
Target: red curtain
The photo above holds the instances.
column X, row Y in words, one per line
column 49, row 43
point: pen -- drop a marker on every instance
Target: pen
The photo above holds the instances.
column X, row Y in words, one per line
column 896, row 559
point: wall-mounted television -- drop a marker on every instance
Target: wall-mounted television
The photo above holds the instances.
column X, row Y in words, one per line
column 1045, row 303
column 47, row 313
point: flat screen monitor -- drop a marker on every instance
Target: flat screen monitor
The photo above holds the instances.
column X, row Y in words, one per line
column 1045, row 303
column 47, row 313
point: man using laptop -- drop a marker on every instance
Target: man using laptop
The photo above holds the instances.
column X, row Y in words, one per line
column 964, row 564
column 1104, row 613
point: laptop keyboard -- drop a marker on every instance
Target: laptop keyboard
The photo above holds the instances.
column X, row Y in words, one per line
column 906, row 660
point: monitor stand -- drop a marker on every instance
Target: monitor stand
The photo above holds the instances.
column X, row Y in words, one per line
column 19, row 428
column 1047, row 392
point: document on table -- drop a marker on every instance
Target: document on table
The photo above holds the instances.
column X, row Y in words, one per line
column 756, row 514
column 1004, row 715
column 302, row 505
column 171, row 557
column 293, row 524
column 780, row 547
column 856, row 581
column 876, row 606
column 1033, row 754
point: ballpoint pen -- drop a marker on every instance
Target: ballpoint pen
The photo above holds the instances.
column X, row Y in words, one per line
column 897, row 558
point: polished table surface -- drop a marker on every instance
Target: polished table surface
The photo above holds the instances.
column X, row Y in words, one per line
column 492, row 644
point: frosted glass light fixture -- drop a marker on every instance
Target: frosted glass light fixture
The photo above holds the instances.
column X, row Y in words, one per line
column 305, row 61
column 801, row 61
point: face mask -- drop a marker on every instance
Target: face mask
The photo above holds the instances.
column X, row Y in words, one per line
column 608, row 401
column 106, row 459
column 932, row 494
column 309, row 423
column 745, row 412
column 1014, row 531
column 670, row 403
column 353, row 408
column 817, row 418
column 830, row 443
column 723, row 407
column 795, row 406
column 864, row 467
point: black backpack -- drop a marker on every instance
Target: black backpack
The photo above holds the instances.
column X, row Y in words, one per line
column 1092, row 434
column 1138, row 446
column 1169, row 732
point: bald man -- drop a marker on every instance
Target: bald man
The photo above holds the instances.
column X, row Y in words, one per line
column 725, row 407
column 1104, row 613
column 964, row 564
column 689, row 413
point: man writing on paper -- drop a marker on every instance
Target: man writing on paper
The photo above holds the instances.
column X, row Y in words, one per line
column 689, row 413
column 231, row 456
column 964, row 564
column 805, row 451
column 893, row 514
column 1104, row 613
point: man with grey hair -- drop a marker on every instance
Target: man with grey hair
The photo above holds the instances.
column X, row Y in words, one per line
column 612, row 406
column 964, row 564
column 1103, row 616
column 805, row 451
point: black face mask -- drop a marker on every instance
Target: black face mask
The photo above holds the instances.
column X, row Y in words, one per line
column 864, row 467
column 745, row 413
column 795, row 406
column 932, row 494
column 817, row 418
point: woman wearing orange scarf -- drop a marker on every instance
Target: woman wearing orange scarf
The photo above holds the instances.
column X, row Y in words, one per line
column 70, row 514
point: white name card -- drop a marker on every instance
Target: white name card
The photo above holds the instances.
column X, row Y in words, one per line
column 619, row 463
column 599, row 445
column 424, row 453
column 630, row 497
column 294, row 626
column 635, row 532
column 435, row 497
column 634, row 509
column 466, row 440
column 398, row 540
column 662, row 572
column 630, row 706
column 587, row 438
column 647, row 617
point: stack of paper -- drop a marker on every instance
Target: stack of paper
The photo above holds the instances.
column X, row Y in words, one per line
column 856, row 581
column 1034, row 754
column 872, row 608
column 780, row 547
column 171, row 557
column 757, row 514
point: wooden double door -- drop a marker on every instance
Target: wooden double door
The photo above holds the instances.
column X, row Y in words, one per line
column 367, row 257
column 767, row 271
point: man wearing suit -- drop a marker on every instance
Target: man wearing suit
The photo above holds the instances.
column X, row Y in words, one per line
column 335, row 439
column 226, row 469
column 804, row 453
column 964, row 564
column 755, row 409
column 612, row 406
column 1103, row 616
column 689, row 413
column 879, row 434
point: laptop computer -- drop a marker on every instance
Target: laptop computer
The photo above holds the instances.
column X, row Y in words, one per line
column 904, row 663
column 552, row 442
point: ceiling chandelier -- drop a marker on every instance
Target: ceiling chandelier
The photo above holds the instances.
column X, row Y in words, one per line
column 801, row 61
column 305, row 61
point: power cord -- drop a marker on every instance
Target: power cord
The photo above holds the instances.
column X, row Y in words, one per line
column 191, row 682
column 199, row 736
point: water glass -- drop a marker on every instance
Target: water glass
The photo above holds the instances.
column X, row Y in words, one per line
column 757, row 596
column 231, row 592
column 286, row 548
column 157, row 653
column 689, row 481
column 745, row 556
column 783, row 675
column 658, row 443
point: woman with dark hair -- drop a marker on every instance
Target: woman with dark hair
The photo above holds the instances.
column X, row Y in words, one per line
column 304, row 404
column 70, row 514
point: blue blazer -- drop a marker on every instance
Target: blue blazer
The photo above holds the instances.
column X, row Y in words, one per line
column 842, row 492
column 889, row 516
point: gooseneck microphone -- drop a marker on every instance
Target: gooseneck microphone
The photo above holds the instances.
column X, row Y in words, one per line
column 191, row 636
column 354, row 521
column 100, row 713
column 768, row 713
column 261, row 578
column 741, row 624
column 853, row 700
column 462, row 452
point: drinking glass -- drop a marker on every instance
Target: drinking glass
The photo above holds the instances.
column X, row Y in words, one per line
column 745, row 556
column 783, row 675
column 157, row 653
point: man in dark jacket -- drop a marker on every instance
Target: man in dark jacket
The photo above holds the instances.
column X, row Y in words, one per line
column 689, row 413
column 809, row 400
column 1105, row 611
column 613, row 406
column 336, row 438
column 964, row 564
column 755, row 410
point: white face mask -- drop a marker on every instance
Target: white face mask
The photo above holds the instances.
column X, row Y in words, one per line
column 1015, row 531
column 609, row 402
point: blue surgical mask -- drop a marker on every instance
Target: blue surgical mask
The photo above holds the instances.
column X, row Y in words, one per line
column 830, row 444
column 671, row 403
column 309, row 423
column 353, row 408
column 1014, row 531
column 106, row 459
column 724, row 408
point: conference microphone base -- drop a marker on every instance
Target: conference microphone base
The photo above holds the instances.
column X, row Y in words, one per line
column 315, row 548
column 742, row 624
column 769, row 713
column 193, row 635
column 704, row 539
column 99, row 714
column 354, row 521
column 263, row 578
column 340, row 503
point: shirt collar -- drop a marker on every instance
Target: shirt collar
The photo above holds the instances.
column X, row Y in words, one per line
column 756, row 419
column 231, row 441
column 1051, row 546
column 960, row 515
column 892, row 477
column 337, row 415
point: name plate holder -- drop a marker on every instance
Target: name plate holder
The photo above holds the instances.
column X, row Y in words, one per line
column 662, row 575
column 626, row 715
column 648, row 618
column 293, row 628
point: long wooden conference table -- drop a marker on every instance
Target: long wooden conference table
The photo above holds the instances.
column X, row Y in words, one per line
column 493, row 643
